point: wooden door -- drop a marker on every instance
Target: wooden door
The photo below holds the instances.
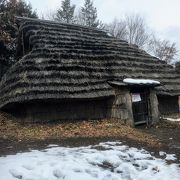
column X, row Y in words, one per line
column 140, row 103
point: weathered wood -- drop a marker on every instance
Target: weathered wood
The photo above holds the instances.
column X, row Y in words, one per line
column 60, row 110
column 168, row 104
column 122, row 106
column 154, row 107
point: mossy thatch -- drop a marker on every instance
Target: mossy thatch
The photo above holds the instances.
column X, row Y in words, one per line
column 63, row 61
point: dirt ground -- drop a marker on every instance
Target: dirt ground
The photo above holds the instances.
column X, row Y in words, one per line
column 16, row 137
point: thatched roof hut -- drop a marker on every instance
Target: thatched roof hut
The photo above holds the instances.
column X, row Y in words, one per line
column 63, row 61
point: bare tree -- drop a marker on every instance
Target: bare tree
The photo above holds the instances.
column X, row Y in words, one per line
column 117, row 29
column 163, row 49
column 137, row 32
column 132, row 29
column 50, row 15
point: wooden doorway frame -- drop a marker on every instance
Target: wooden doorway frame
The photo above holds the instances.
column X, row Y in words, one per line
column 142, row 108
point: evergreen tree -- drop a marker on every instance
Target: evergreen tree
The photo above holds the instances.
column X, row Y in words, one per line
column 24, row 9
column 8, row 29
column 88, row 15
column 66, row 12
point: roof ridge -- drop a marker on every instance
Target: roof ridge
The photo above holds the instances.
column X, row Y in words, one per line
column 18, row 18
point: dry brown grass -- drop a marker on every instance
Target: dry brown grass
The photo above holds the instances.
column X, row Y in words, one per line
column 9, row 128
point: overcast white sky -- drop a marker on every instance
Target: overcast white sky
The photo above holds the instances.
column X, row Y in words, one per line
column 162, row 16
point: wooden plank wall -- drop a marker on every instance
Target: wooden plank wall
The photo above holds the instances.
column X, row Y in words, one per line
column 168, row 104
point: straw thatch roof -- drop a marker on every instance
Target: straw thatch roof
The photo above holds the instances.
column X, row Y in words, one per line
column 60, row 61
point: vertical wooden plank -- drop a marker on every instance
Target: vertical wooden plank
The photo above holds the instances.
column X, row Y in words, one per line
column 154, row 106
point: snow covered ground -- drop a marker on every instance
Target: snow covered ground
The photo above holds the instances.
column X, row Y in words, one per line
column 172, row 119
column 105, row 161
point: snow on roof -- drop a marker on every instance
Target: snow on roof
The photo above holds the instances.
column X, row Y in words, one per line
column 140, row 81
column 109, row 34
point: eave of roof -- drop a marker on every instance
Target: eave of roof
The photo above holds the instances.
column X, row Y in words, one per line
column 72, row 61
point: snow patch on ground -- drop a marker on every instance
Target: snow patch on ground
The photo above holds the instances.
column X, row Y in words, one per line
column 140, row 81
column 105, row 161
column 170, row 157
column 52, row 145
column 161, row 153
column 174, row 120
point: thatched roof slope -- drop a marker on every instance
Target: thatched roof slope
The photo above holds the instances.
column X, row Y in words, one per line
column 60, row 61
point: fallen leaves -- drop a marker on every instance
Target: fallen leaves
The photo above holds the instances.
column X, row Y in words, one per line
column 10, row 128
column 101, row 128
